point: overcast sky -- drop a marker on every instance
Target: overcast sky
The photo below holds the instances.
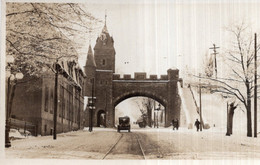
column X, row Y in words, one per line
column 153, row 36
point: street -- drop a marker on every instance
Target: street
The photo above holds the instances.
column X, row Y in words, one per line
column 139, row 144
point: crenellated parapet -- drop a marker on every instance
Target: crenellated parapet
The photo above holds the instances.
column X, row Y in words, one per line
column 172, row 75
column 164, row 77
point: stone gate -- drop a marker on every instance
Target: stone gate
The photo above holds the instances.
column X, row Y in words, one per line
column 109, row 89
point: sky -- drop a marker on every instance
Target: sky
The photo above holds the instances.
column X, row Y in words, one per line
column 153, row 36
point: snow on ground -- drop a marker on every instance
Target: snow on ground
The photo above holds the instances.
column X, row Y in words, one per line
column 188, row 106
column 71, row 145
column 208, row 144
column 214, row 112
column 182, row 144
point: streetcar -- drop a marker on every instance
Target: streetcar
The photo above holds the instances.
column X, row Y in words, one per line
column 124, row 124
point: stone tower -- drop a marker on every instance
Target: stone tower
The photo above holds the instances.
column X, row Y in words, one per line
column 104, row 51
column 104, row 56
column 110, row 89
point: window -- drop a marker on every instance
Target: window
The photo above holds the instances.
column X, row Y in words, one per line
column 61, row 101
column 65, row 104
column 63, row 108
column 70, row 102
column 103, row 62
column 45, row 129
column 68, row 107
column 76, row 108
column 52, row 103
column 46, row 99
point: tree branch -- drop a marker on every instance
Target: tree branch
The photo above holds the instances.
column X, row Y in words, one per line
column 229, row 86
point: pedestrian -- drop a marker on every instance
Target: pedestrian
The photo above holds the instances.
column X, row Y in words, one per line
column 177, row 124
column 173, row 124
column 197, row 124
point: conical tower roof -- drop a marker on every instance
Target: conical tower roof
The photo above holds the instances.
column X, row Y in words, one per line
column 104, row 30
column 90, row 58
column 104, row 41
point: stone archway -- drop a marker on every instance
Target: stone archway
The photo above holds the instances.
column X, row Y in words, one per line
column 141, row 93
column 101, row 118
column 147, row 103
column 110, row 89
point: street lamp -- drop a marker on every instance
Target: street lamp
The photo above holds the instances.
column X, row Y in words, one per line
column 91, row 105
column 11, row 85
column 56, row 81
column 200, row 110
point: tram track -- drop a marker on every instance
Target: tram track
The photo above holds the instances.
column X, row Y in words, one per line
column 114, row 148
column 140, row 146
column 152, row 149
column 126, row 145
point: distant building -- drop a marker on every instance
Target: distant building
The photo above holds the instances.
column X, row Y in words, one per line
column 34, row 99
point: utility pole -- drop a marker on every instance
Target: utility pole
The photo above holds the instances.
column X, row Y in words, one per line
column 255, row 90
column 55, row 101
column 215, row 58
column 7, row 121
column 79, row 107
column 154, row 113
column 200, row 104
column 105, row 122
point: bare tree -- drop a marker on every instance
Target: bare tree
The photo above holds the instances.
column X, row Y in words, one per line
column 38, row 35
column 146, row 108
column 238, row 79
column 230, row 114
column 208, row 65
column 148, row 103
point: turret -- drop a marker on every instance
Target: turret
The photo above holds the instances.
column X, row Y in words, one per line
column 104, row 51
column 90, row 70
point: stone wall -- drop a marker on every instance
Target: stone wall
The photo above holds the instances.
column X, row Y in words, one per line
column 111, row 89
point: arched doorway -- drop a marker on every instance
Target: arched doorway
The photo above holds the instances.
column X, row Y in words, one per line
column 101, row 118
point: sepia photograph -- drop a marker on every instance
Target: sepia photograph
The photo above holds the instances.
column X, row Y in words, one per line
column 133, row 80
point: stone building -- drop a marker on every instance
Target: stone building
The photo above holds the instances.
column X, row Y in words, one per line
column 99, row 70
column 109, row 89
column 34, row 99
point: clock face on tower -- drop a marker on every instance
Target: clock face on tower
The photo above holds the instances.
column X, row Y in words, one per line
column 103, row 36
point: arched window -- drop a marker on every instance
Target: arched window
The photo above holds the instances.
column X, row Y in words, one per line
column 46, row 98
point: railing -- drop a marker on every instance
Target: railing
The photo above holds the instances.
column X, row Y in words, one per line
column 24, row 126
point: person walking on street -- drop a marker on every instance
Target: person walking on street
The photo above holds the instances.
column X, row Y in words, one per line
column 177, row 124
column 197, row 124
column 173, row 124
